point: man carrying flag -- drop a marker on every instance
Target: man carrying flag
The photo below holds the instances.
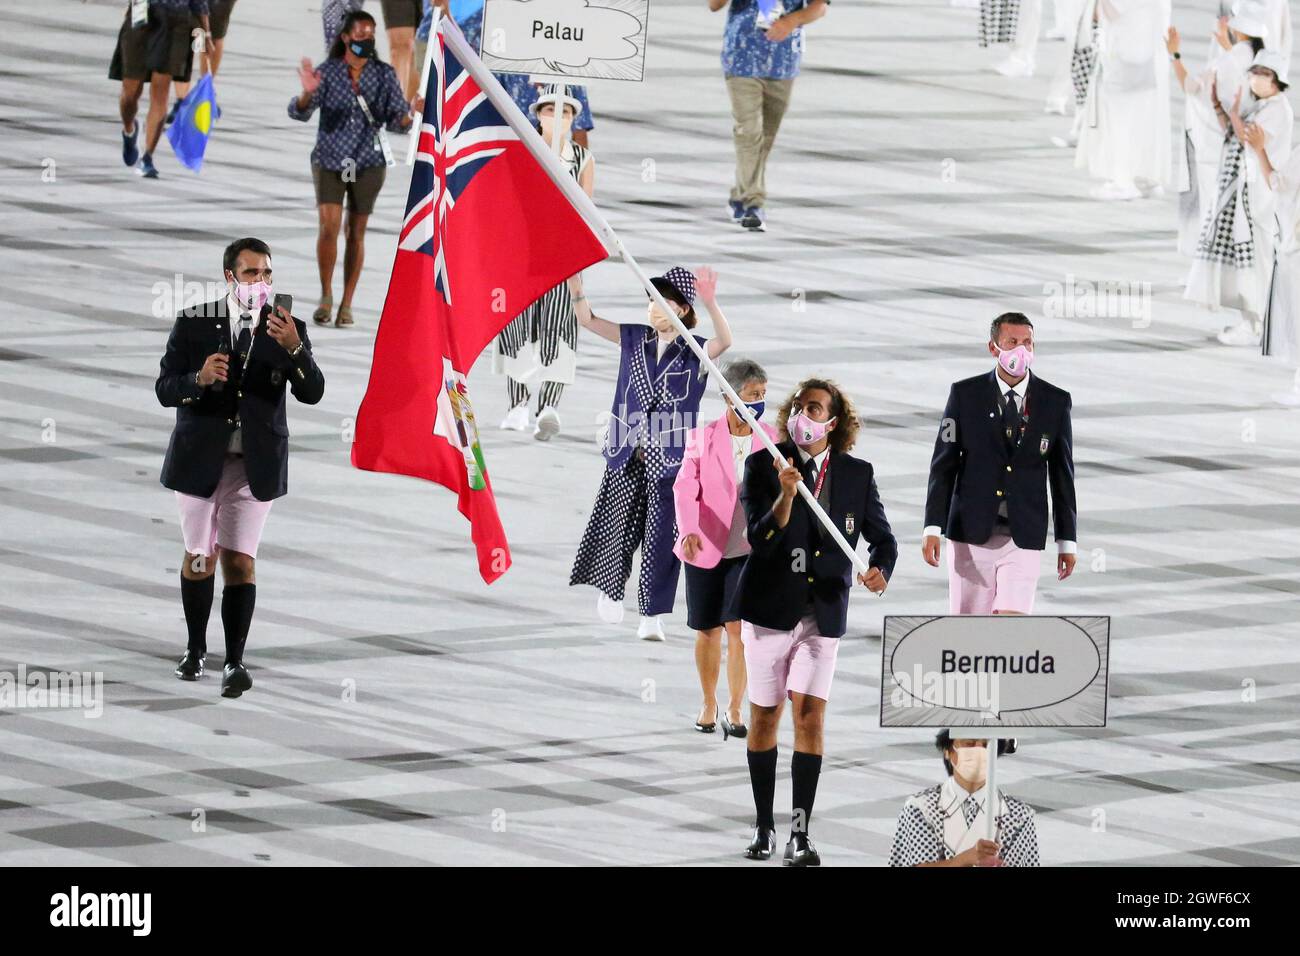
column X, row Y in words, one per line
column 483, row 181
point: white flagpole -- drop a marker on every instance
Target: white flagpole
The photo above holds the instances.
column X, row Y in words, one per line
column 414, row 146
column 583, row 203
column 991, row 793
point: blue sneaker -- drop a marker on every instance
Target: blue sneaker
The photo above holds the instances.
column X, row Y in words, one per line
column 754, row 219
column 737, row 211
column 129, row 152
column 147, row 169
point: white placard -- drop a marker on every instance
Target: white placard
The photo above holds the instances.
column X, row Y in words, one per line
column 592, row 39
column 994, row 671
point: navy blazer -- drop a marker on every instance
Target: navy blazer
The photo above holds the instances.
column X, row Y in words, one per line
column 206, row 418
column 787, row 568
column 973, row 470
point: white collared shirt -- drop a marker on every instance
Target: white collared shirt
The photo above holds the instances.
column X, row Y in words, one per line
column 804, row 457
column 240, row 319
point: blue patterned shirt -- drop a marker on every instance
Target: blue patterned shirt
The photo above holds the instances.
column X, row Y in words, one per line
column 746, row 50
column 344, row 131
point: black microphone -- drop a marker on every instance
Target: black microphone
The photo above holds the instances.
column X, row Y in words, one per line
column 223, row 347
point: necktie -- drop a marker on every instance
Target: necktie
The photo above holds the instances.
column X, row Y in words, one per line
column 969, row 810
column 810, row 473
column 1011, row 419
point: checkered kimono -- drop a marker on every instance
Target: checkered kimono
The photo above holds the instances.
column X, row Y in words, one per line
column 929, row 820
column 998, row 21
column 1083, row 62
column 1227, row 237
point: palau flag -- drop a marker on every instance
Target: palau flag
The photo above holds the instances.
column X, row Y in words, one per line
column 193, row 123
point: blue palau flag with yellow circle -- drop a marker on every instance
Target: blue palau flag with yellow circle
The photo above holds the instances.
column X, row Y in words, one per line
column 192, row 124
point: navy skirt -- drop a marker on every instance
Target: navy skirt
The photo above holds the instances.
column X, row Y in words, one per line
column 713, row 594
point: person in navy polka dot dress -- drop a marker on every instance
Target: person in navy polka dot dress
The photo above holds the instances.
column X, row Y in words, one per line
column 656, row 404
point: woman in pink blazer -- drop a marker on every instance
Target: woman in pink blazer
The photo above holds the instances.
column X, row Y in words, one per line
column 711, row 541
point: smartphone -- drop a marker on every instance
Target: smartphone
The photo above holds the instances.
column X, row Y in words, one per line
column 283, row 301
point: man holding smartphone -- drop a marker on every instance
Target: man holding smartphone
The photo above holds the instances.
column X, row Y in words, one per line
column 225, row 370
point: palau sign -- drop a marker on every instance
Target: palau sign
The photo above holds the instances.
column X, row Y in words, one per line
column 593, row 39
column 994, row 671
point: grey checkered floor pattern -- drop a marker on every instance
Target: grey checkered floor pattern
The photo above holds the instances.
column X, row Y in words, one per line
column 405, row 713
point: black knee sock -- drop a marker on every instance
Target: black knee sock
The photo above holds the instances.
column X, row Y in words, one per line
column 762, row 779
column 237, row 602
column 196, row 598
column 804, row 771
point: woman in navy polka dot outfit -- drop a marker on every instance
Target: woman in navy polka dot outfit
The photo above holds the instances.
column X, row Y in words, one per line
column 656, row 403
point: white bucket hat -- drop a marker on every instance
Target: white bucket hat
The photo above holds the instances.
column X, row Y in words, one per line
column 1248, row 17
column 1272, row 60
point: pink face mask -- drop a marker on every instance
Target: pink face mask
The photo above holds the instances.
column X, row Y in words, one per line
column 253, row 295
column 1015, row 362
column 804, row 431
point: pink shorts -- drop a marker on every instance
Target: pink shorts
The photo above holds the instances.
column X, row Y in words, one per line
column 781, row 663
column 995, row 576
column 232, row 518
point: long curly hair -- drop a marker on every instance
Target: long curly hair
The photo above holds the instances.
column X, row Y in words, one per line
column 845, row 433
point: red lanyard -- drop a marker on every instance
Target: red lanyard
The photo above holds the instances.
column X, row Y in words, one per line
column 821, row 475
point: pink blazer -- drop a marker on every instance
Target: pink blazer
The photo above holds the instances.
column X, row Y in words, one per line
column 705, row 491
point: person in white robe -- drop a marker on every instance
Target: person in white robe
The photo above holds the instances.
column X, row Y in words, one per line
column 1234, row 255
column 1069, row 19
column 1024, row 43
column 946, row 824
column 1196, row 156
column 1277, row 17
column 1281, row 333
column 1124, row 138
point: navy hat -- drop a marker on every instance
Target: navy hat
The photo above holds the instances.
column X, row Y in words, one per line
column 682, row 282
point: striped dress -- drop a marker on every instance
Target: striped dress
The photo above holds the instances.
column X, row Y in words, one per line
column 540, row 344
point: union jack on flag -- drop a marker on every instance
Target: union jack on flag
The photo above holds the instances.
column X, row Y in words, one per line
column 490, row 225
column 466, row 133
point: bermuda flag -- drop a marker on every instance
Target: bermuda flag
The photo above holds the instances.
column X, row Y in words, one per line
column 492, row 222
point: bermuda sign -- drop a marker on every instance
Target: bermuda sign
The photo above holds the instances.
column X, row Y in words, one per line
column 994, row 671
column 591, row 39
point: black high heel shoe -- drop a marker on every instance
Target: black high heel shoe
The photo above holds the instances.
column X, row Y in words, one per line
column 706, row 728
column 739, row 731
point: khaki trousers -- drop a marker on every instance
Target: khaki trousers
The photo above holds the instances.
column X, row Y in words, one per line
column 757, row 106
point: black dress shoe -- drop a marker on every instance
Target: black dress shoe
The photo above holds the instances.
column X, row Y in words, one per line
column 739, row 731
column 235, row 680
column 190, row 666
column 763, row 845
column 801, row 852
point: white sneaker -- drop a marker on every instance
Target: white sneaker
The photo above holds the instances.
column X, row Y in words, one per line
column 548, row 424
column 1243, row 333
column 1065, row 142
column 1055, row 106
column 1290, row 399
column 516, row 419
column 1116, row 192
column 651, row 629
column 1015, row 67
column 609, row 610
